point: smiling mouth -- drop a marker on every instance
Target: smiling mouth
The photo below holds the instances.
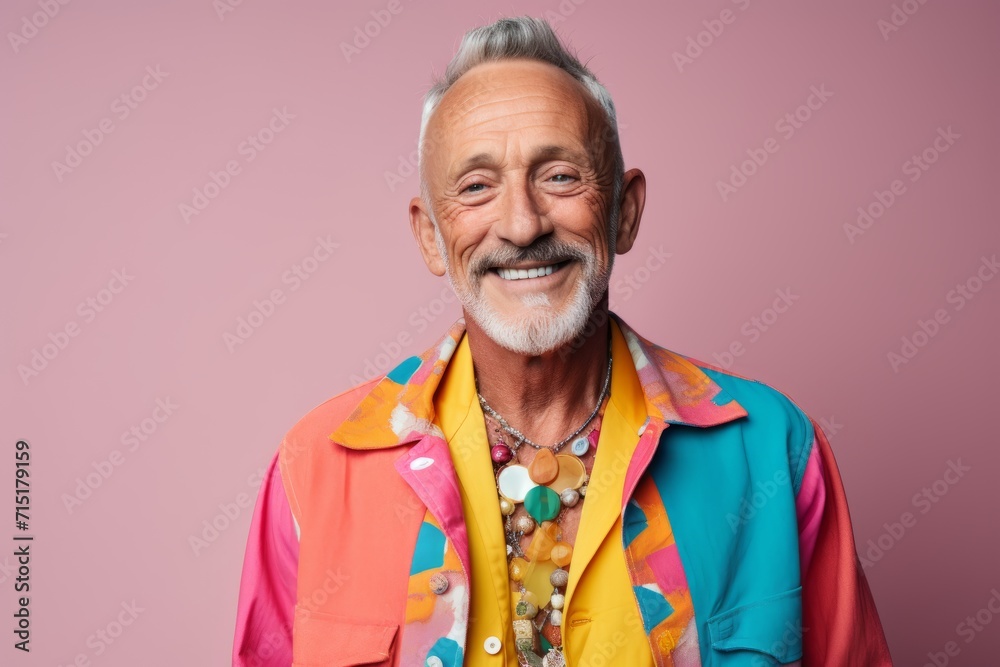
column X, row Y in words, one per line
column 534, row 272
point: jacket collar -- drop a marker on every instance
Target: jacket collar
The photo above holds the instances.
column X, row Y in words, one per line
column 400, row 407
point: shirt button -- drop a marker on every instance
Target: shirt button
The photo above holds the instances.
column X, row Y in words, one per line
column 492, row 645
column 421, row 463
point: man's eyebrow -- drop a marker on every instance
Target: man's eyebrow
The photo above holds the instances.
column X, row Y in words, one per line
column 473, row 162
column 555, row 152
column 550, row 152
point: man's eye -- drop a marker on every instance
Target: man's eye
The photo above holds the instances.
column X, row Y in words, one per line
column 567, row 178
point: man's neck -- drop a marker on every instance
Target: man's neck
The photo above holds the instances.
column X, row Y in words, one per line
column 548, row 396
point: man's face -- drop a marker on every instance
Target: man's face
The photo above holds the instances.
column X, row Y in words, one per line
column 519, row 178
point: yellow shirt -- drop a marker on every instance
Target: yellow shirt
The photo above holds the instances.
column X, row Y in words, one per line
column 601, row 621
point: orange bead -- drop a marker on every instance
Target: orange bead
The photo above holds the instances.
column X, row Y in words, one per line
column 542, row 541
column 518, row 568
column 543, row 468
column 561, row 554
column 571, row 475
column 553, row 529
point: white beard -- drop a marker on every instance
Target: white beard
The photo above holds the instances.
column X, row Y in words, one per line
column 539, row 328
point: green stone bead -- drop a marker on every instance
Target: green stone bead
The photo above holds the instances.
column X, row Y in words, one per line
column 542, row 503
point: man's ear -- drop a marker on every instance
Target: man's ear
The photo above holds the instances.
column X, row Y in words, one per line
column 633, row 200
column 423, row 232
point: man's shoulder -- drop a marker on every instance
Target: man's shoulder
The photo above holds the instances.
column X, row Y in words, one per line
column 316, row 425
column 766, row 406
column 754, row 393
column 770, row 412
column 306, row 451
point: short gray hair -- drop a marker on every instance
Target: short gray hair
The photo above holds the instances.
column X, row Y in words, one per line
column 523, row 37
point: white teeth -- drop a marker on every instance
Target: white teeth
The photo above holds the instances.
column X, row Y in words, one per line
column 520, row 274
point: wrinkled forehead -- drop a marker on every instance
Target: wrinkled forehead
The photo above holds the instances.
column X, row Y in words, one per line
column 494, row 99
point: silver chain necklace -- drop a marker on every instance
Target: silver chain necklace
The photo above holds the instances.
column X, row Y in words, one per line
column 522, row 439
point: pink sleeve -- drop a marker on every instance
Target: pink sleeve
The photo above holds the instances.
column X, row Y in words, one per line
column 809, row 505
column 267, row 588
column 841, row 626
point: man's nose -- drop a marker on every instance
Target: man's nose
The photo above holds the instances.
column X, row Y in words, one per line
column 522, row 219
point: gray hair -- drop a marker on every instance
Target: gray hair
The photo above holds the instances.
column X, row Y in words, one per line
column 523, row 37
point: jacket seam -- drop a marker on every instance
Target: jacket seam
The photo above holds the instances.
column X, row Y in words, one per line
column 777, row 597
column 287, row 483
column 804, row 452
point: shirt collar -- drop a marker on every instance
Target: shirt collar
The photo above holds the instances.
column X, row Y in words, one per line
column 400, row 407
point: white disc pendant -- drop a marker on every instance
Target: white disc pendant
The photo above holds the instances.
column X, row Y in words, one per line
column 514, row 483
column 580, row 446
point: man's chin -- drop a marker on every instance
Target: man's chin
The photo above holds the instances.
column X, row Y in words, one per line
column 530, row 330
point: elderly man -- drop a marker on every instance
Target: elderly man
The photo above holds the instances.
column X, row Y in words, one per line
column 544, row 486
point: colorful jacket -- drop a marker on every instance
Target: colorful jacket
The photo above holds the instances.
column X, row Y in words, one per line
column 734, row 527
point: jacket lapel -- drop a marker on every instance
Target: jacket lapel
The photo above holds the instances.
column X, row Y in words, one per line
column 428, row 468
column 399, row 408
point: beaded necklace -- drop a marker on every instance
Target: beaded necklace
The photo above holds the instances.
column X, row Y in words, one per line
column 549, row 487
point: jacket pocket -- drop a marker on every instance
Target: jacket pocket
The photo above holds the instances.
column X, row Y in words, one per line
column 759, row 633
column 325, row 640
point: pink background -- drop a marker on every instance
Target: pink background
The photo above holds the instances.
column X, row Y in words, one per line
column 324, row 175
